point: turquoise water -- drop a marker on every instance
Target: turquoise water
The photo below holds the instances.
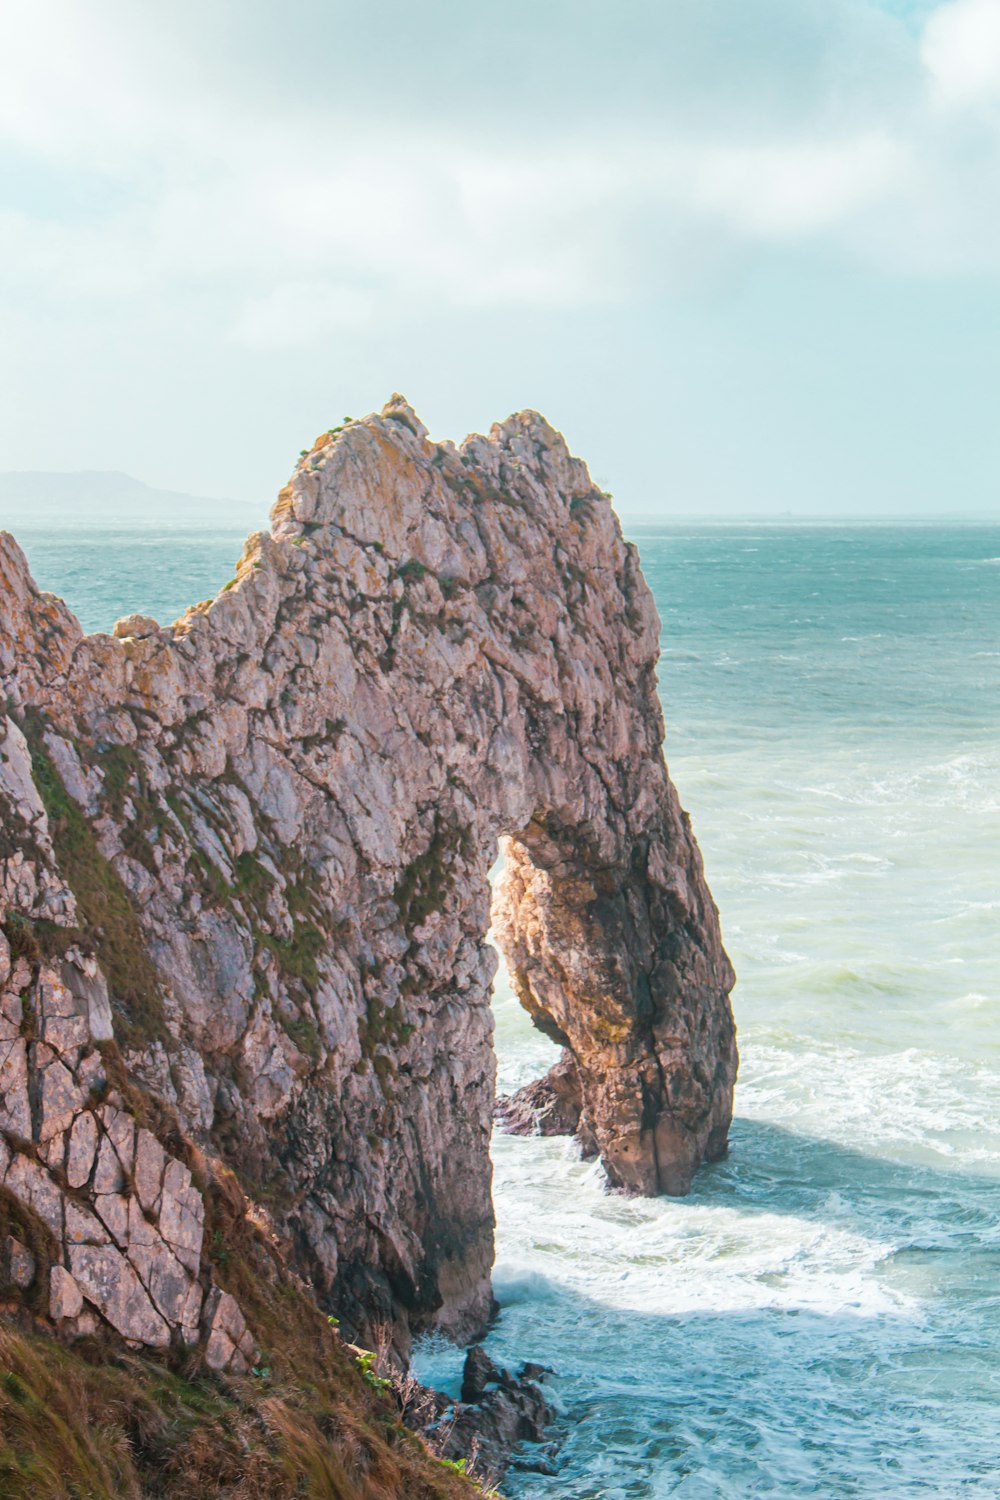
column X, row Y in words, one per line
column 821, row 1317
column 106, row 574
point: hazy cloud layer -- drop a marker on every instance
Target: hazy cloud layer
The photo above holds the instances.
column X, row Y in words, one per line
column 278, row 185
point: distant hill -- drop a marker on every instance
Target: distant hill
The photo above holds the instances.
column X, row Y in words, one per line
column 33, row 498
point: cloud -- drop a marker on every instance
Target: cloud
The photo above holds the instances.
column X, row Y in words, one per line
column 300, row 314
column 787, row 190
column 767, row 211
column 961, row 50
column 324, row 173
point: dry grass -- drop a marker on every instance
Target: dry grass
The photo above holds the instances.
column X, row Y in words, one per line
column 92, row 1421
column 84, row 1422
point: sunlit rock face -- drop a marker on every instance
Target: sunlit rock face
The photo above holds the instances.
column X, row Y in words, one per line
column 264, row 834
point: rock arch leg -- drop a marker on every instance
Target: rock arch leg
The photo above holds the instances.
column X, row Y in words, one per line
column 617, row 962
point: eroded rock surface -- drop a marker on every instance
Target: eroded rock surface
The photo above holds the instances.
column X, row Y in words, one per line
column 552, row 1105
column 255, row 845
column 122, row 1219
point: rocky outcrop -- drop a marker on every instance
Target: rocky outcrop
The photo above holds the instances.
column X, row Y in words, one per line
column 497, row 1416
column 552, row 1105
column 124, row 1220
column 250, row 850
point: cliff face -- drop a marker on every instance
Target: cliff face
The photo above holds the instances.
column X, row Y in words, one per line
column 248, row 852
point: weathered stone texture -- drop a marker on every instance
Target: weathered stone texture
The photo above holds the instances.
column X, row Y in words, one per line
column 65, row 1297
column 17, row 1265
column 299, row 789
column 229, row 1343
column 126, row 1219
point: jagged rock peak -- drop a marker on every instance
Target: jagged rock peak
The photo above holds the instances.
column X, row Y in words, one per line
column 399, row 408
column 268, row 827
column 333, row 481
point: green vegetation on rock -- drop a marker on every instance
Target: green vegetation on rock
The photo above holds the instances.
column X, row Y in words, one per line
column 107, row 920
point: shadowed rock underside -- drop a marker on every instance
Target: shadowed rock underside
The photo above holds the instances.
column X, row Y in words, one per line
column 251, row 849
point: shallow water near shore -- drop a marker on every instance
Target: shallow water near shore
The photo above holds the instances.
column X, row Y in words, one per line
column 821, row 1316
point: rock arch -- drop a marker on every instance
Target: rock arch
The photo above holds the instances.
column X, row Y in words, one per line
column 300, row 786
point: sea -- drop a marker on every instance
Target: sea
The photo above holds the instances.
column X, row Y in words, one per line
column 821, row 1315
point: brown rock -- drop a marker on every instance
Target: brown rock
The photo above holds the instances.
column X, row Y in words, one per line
column 113, row 1211
column 478, row 1373
column 150, row 1160
column 17, row 1264
column 121, row 1133
column 108, row 1281
column 59, row 1098
column 82, row 1149
column 139, row 626
column 169, row 1285
column 108, row 1174
column 15, row 1110
column 33, row 1185
column 65, row 1297
column 433, row 649
column 65, row 1033
column 499, row 1413
column 552, row 1105
column 182, row 1214
column 228, row 1342
column 82, row 1226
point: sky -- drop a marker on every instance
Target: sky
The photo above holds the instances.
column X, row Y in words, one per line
column 744, row 253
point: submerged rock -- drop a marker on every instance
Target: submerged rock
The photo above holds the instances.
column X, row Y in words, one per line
column 251, row 849
column 552, row 1105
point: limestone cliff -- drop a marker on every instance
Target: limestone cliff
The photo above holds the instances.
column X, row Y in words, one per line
column 243, row 874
